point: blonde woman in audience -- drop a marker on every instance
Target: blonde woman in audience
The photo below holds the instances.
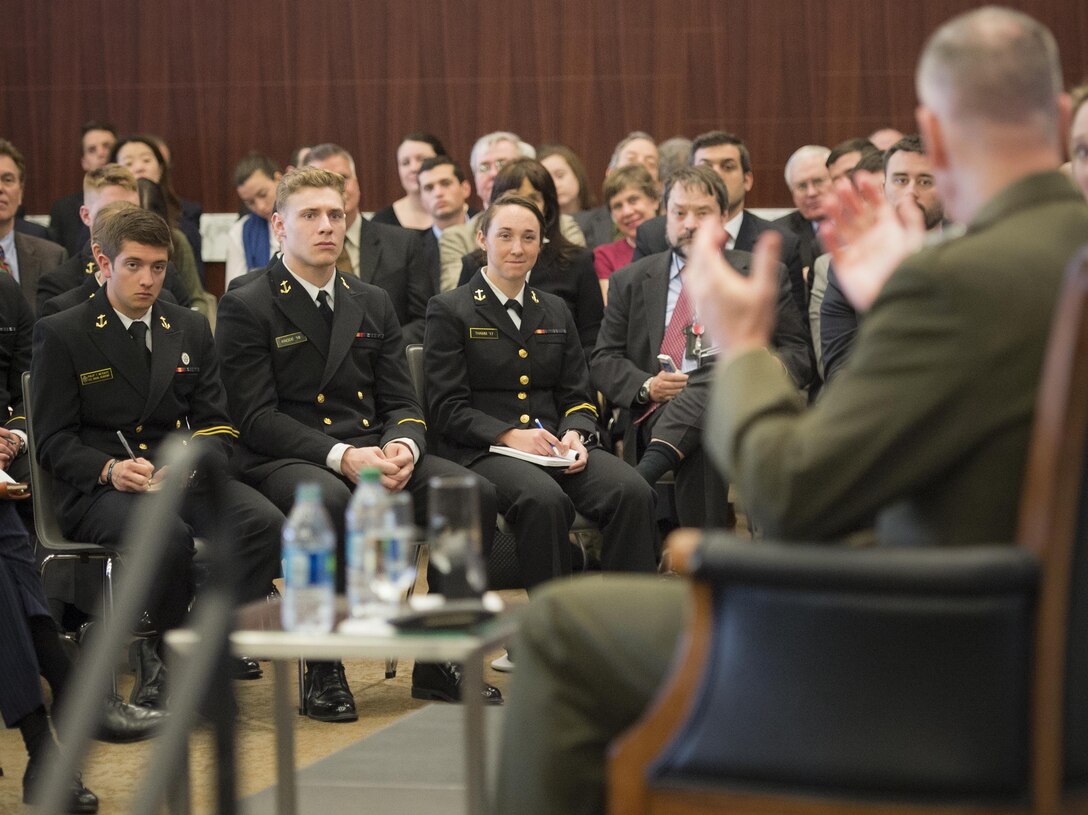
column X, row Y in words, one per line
column 630, row 194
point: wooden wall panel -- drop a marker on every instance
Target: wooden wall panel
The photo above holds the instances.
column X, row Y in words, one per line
column 218, row 78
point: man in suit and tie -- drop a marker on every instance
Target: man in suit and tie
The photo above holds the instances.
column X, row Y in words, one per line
column 443, row 189
column 808, row 179
column 728, row 156
column 387, row 256
column 126, row 363
column 319, row 388
column 22, row 256
column 650, row 312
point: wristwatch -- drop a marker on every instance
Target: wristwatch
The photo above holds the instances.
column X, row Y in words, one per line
column 644, row 392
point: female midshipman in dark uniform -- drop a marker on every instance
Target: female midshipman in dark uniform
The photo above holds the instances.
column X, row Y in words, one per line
column 502, row 356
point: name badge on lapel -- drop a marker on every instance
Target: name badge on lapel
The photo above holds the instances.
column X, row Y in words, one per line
column 287, row 340
column 101, row 375
column 483, row 333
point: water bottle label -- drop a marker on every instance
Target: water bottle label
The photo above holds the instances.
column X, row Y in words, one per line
column 308, row 569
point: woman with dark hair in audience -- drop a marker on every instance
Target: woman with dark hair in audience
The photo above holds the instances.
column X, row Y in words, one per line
column 408, row 211
column 151, row 199
column 569, row 174
column 143, row 156
column 504, row 367
column 561, row 267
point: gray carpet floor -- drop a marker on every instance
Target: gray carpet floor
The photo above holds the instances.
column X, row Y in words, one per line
column 415, row 765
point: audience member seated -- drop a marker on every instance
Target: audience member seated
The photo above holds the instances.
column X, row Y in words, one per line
column 652, row 312
column 884, row 138
column 808, row 180
column 575, row 195
column 147, row 158
column 24, row 257
column 844, row 157
column 444, row 192
column 409, row 212
column 101, row 186
column 387, row 256
column 250, row 242
column 125, row 364
column 870, row 167
column 910, row 185
column 191, row 211
column 727, row 155
column 1078, row 142
column 143, row 156
column 96, row 140
column 489, row 154
column 631, row 196
column 504, row 366
column 911, row 435
column 672, row 154
column 561, row 267
column 318, row 385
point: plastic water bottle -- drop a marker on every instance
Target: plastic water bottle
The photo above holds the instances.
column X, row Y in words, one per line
column 309, row 552
column 364, row 516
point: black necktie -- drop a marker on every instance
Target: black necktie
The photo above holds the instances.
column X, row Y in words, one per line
column 138, row 330
column 324, row 307
column 515, row 307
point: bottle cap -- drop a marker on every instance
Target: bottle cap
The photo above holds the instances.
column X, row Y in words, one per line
column 308, row 492
column 370, row 474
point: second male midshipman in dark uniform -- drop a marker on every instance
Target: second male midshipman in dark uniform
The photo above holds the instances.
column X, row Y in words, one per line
column 125, row 362
column 318, row 384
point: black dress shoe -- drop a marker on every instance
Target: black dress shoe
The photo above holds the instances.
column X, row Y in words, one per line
column 80, row 799
column 149, row 689
column 124, row 723
column 245, row 668
column 441, row 681
column 327, row 696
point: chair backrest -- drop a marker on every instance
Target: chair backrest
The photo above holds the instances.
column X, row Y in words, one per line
column 1054, row 524
column 414, row 352
column 46, row 524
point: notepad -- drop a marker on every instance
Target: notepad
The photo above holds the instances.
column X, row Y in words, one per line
column 533, row 458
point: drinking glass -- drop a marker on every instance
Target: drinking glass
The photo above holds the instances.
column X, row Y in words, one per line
column 454, row 536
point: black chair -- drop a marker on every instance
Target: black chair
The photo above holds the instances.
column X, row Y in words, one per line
column 46, row 526
column 823, row 680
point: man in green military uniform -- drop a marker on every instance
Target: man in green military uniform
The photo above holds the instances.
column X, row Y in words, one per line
column 925, row 433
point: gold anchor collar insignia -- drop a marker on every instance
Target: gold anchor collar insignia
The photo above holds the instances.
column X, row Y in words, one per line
column 165, row 324
column 100, row 322
column 479, row 296
column 90, row 268
column 532, row 295
column 344, row 283
column 285, row 287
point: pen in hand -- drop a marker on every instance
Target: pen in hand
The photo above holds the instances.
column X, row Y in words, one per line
column 124, row 444
column 554, row 448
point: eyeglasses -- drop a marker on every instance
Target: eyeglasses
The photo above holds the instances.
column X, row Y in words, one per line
column 815, row 184
column 488, row 166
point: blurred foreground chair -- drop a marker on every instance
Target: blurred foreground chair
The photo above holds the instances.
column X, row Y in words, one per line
column 818, row 680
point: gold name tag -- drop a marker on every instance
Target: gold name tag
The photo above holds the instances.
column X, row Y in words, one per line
column 290, row 339
column 91, row 377
column 483, row 333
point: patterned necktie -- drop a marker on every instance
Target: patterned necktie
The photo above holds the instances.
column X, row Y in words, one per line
column 138, row 331
column 4, row 268
column 675, row 341
column 323, row 306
